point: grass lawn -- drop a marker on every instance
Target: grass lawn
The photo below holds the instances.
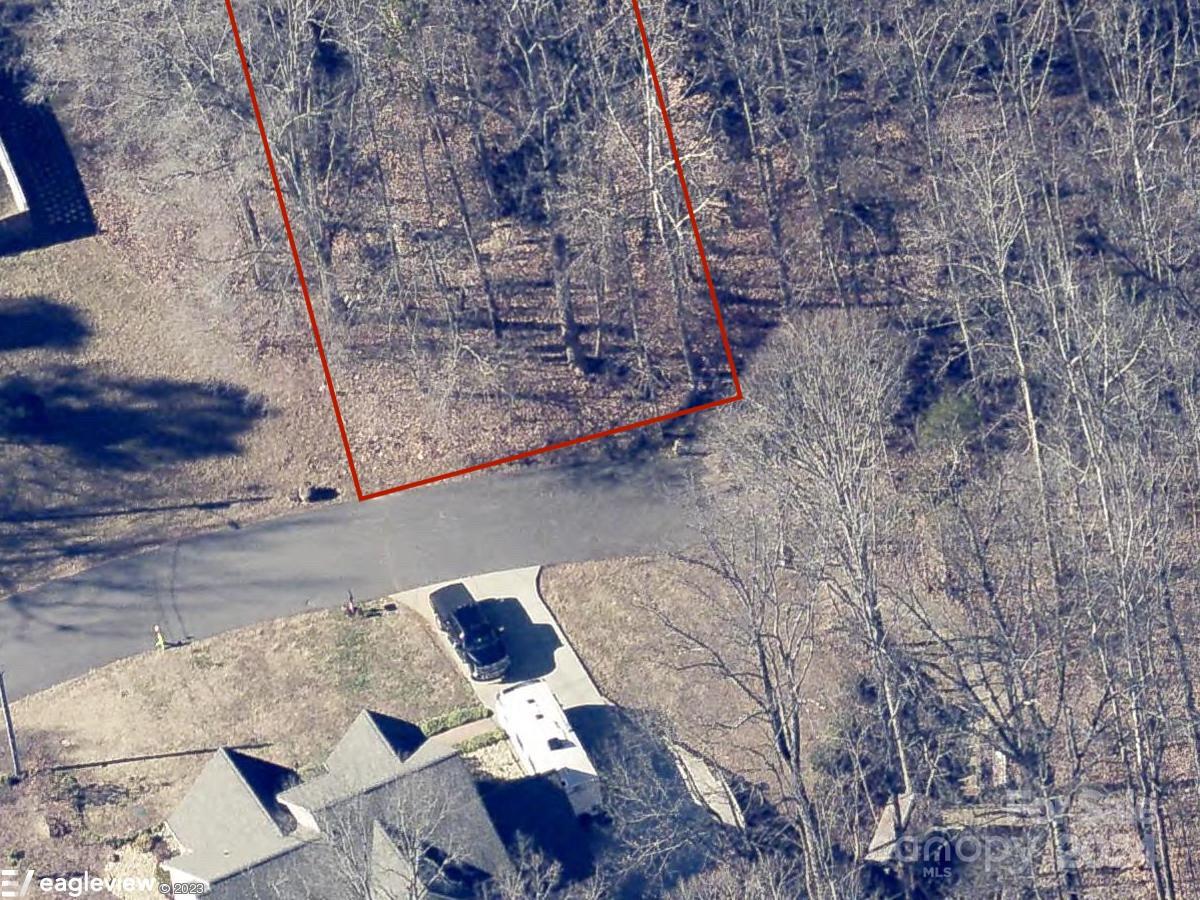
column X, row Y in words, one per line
column 292, row 686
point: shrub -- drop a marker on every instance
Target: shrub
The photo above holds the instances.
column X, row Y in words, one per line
column 951, row 419
column 470, row 745
column 453, row 719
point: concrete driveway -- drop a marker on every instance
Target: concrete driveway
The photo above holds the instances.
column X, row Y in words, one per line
column 536, row 644
column 539, row 649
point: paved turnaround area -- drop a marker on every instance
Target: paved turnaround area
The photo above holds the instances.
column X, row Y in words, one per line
column 200, row 586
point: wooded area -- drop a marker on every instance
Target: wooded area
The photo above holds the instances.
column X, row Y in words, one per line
column 957, row 245
column 987, row 492
column 485, row 204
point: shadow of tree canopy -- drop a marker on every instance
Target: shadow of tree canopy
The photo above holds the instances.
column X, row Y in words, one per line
column 83, row 452
column 29, row 322
column 125, row 424
column 535, row 812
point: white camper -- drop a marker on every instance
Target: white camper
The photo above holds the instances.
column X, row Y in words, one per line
column 545, row 744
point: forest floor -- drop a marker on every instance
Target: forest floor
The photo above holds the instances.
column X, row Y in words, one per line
column 468, row 396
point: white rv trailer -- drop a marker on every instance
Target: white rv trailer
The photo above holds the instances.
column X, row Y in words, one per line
column 545, row 743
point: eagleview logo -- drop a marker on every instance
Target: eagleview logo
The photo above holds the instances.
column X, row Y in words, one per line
column 11, row 886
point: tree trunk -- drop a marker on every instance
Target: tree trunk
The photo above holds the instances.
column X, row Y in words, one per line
column 567, row 326
column 464, row 212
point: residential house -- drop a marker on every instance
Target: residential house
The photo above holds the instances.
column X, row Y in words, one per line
column 392, row 816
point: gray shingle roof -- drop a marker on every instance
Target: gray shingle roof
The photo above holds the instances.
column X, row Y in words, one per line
column 374, row 806
column 374, row 750
column 230, row 818
column 437, row 803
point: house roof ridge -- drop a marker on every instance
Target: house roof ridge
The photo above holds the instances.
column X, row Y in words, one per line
column 228, row 753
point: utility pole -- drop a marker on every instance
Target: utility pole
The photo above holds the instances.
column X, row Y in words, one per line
column 8, row 727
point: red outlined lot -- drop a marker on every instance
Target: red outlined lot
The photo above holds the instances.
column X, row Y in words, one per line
column 312, row 317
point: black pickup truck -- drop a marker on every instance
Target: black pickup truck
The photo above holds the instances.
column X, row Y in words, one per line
column 472, row 634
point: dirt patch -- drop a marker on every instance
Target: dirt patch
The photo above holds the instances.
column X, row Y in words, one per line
column 493, row 761
column 292, row 686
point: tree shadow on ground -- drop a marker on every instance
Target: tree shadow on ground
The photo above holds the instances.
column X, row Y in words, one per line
column 30, row 322
column 658, row 834
column 78, row 446
column 654, row 834
column 107, row 422
column 536, row 811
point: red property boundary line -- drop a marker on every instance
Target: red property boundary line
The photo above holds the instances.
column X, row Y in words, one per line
column 312, row 316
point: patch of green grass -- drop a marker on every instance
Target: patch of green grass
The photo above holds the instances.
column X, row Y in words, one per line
column 470, row 745
column 453, row 719
column 953, row 418
column 351, row 660
column 202, row 658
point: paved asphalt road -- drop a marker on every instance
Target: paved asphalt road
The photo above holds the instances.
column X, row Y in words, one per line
column 204, row 585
